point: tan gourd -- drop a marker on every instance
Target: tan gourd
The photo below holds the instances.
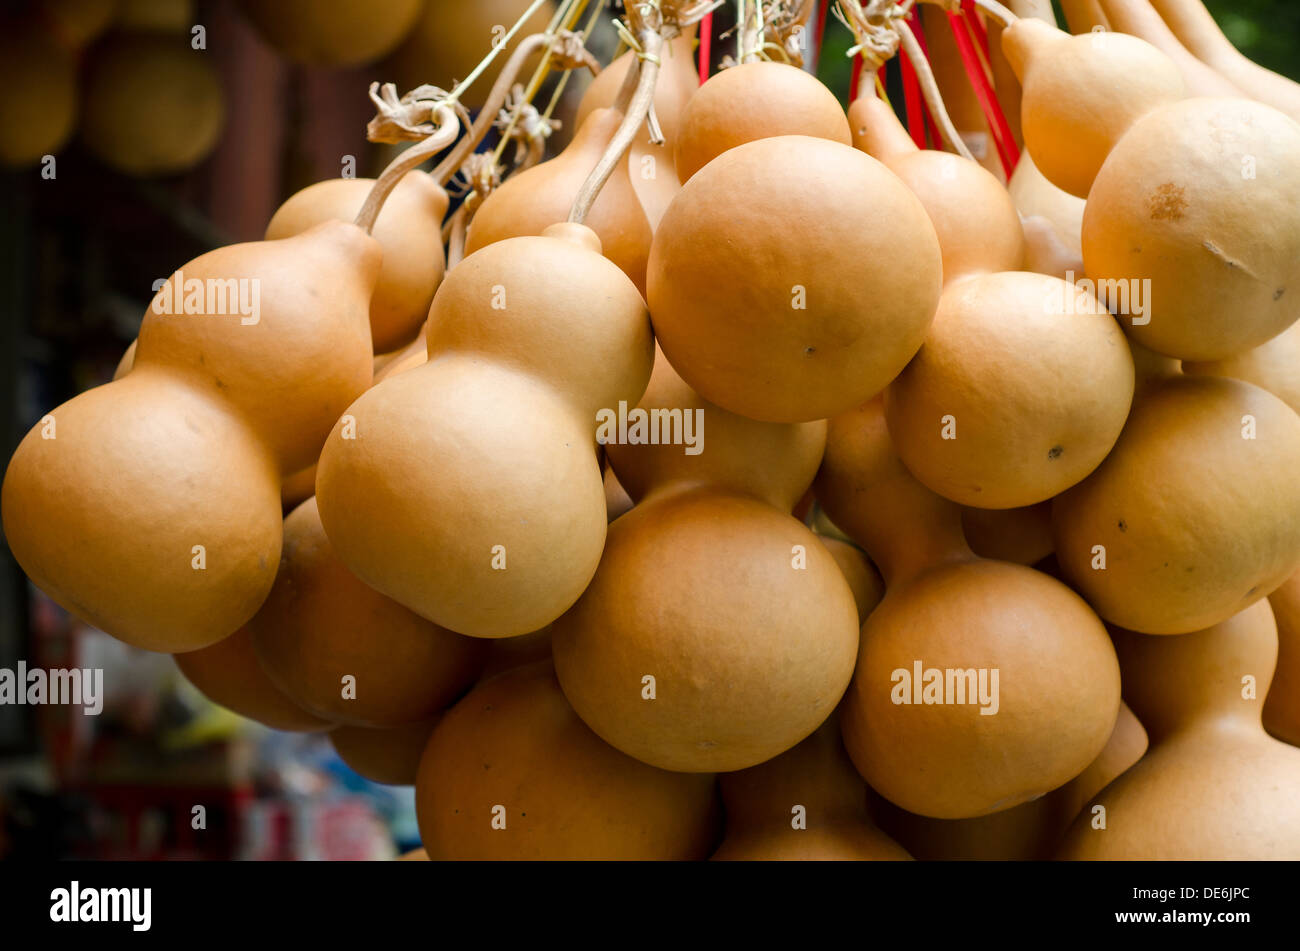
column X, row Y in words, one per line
column 451, row 36
column 483, row 458
column 150, row 506
column 808, row 804
column 510, row 772
column 1282, row 707
column 532, row 201
column 1214, row 785
column 1035, row 196
column 409, row 231
column 996, row 410
column 1028, row 832
column 863, row 578
column 229, row 675
column 1081, row 93
column 1274, row 365
column 38, row 93
column 617, row 501
column 1021, row 535
column 993, row 411
column 739, row 615
column 389, row 756
column 755, row 101
column 1083, row 15
column 650, row 166
column 1197, row 31
column 973, row 216
column 333, row 32
column 153, row 105
column 321, row 625
column 792, row 278
column 1139, row 18
column 1157, row 546
column 1202, row 199
column 1058, row 693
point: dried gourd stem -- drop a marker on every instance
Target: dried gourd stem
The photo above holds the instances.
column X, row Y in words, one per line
column 566, row 17
column 456, row 238
column 646, row 69
column 994, row 9
column 448, row 126
column 487, row 115
column 930, row 91
column 872, row 25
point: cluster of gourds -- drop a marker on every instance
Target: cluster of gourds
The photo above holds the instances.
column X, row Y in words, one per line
column 924, row 451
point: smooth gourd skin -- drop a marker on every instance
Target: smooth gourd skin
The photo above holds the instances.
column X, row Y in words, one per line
column 816, row 775
column 650, row 166
column 772, row 461
column 514, row 742
column 409, row 230
column 1028, row 832
column 229, row 675
column 1058, row 679
column 321, row 623
column 1034, row 378
column 792, row 278
column 532, row 201
column 755, row 101
column 1282, row 707
column 1034, row 196
column 1214, row 785
column 333, row 32
column 864, row 581
column 294, row 371
column 1020, row 535
column 1202, row 198
column 153, row 105
column 104, row 517
column 975, row 220
column 172, row 543
column 936, row 760
column 485, row 509
column 1274, row 365
column 390, row 756
column 698, row 589
column 1197, row 519
column 38, row 93
column 1081, row 93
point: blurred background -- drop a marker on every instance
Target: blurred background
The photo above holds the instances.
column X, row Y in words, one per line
column 134, row 136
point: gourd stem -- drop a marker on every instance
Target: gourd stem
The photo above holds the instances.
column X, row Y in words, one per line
column 445, row 134
column 456, row 240
column 487, row 115
column 994, row 9
column 652, row 44
column 497, row 47
column 930, row 90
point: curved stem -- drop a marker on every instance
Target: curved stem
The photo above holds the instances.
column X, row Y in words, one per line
column 652, row 44
column 930, row 90
column 448, row 128
column 456, row 240
column 496, row 48
column 994, row 9
column 487, row 115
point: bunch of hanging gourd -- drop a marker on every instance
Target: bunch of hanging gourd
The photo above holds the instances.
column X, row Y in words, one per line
column 858, row 323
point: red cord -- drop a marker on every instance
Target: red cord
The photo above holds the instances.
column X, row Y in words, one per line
column 912, row 99
column 821, row 27
column 1008, row 154
column 706, row 46
column 854, row 77
column 976, row 26
column 932, row 127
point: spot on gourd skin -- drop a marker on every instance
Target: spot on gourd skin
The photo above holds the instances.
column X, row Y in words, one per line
column 1123, row 525
column 1055, row 452
column 1277, row 294
column 1167, row 203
